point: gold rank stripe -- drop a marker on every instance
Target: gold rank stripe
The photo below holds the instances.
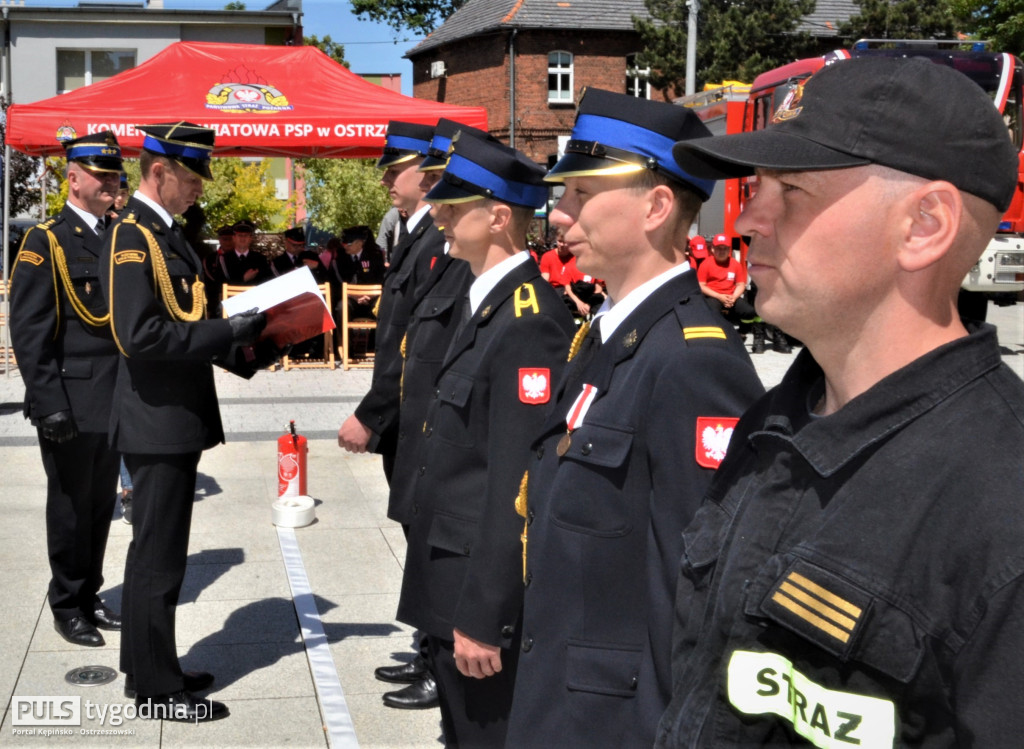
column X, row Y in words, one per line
column 818, row 606
column 30, row 257
column 703, row 332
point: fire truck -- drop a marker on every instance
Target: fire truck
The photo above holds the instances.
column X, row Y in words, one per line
column 733, row 108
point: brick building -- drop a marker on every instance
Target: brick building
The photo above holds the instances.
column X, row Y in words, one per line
column 530, row 57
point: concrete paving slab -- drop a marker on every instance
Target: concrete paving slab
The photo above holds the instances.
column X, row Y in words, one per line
column 252, row 670
column 254, row 723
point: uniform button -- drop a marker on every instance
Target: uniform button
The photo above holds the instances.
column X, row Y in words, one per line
column 416, row 508
column 451, row 394
column 427, row 432
column 380, row 419
column 507, row 631
column 401, row 434
column 528, row 579
column 587, row 448
column 529, row 517
column 423, row 470
column 527, row 644
column 465, row 549
column 437, row 392
column 540, row 452
column 633, row 683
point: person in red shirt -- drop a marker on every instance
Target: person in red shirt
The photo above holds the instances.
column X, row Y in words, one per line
column 582, row 293
column 698, row 251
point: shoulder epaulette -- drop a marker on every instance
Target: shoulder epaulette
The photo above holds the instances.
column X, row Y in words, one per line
column 50, row 222
column 703, row 332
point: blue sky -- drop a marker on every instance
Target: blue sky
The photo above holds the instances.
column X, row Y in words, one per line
column 369, row 47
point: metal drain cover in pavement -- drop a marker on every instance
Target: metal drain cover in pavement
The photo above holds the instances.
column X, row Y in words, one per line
column 90, row 676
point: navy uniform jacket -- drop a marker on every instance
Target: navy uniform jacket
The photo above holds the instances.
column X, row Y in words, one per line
column 233, row 268
column 410, row 264
column 463, row 564
column 858, row 579
column 605, row 521
column 165, row 401
column 368, row 268
column 66, row 363
column 431, row 326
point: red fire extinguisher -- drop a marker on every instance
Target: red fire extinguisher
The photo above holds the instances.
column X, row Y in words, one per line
column 291, row 463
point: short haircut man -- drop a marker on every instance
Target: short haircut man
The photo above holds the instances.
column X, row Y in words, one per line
column 60, row 328
column 462, row 582
column 637, row 427
column 855, row 573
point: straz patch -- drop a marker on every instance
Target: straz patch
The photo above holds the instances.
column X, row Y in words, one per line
column 30, row 257
column 712, row 441
column 129, row 256
column 763, row 683
column 534, row 386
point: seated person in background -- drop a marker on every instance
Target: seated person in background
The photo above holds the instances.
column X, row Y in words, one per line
column 362, row 262
column 244, row 266
column 296, row 255
column 580, row 292
column 698, row 251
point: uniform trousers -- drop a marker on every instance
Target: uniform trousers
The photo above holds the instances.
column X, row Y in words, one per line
column 164, row 490
column 81, row 489
column 474, row 712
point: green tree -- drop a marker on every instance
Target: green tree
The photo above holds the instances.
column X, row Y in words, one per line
column 344, row 192
column 235, row 6
column 241, row 190
column 737, row 39
column 419, row 16
column 329, row 47
column 900, row 19
column 1000, row 22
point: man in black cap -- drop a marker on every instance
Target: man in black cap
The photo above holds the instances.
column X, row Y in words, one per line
column 638, row 427
column 462, row 581
column 855, row 575
column 60, row 330
column 165, row 410
column 244, row 266
column 296, row 255
column 374, row 425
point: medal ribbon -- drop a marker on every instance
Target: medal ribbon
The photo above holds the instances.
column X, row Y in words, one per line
column 580, row 407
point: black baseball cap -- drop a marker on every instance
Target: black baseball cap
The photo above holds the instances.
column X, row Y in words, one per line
column 908, row 114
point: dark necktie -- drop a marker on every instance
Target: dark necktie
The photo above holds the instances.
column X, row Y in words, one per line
column 403, row 232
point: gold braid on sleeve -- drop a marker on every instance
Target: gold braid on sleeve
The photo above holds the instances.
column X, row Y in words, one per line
column 401, row 380
column 60, row 264
column 577, row 340
column 163, row 280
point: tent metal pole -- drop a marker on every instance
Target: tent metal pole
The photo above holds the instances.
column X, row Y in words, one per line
column 6, row 250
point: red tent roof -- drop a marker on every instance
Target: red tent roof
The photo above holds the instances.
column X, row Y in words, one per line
column 262, row 100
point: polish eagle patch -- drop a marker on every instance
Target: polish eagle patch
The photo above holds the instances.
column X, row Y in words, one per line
column 534, row 385
column 713, row 435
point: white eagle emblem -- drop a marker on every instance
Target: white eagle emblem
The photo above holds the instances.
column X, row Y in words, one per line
column 535, row 385
column 716, row 441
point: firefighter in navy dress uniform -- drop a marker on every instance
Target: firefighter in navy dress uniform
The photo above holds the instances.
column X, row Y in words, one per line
column 637, row 429
column 165, row 409
column 61, row 335
column 463, row 574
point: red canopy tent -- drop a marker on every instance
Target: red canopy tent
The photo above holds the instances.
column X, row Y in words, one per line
column 262, row 100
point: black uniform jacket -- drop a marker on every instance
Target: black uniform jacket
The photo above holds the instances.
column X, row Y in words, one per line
column 65, row 362
column 410, row 264
column 605, row 520
column 368, row 267
column 858, row 579
column 165, row 400
column 464, row 560
column 233, row 268
column 431, row 326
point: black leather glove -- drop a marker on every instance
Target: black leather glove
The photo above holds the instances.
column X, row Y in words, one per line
column 58, row 427
column 246, row 327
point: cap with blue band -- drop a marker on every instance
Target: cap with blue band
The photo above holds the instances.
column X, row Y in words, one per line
column 620, row 134
column 405, row 141
column 486, row 169
column 98, row 152
column 441, row 144
column 186, row 143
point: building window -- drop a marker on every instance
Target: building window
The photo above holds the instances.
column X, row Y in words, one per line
column 560, row 78
column 637, row 78
column 82, row 67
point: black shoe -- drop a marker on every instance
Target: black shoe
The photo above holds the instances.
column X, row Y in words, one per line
column 195, row 681
column 126, row 506
column 180, row 706
column 780, row 343
column 419, row 696
column 104, row 618
column 79, row 631
column 406, row 673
